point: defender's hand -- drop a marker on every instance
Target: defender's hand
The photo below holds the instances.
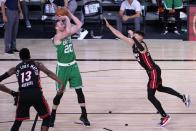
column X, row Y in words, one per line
column 61, row 91
column 106, row 22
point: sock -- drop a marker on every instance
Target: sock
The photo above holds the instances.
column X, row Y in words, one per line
column 53, row 112
column 83, row 109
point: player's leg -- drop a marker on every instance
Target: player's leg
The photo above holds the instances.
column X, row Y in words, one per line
column 165, row 21
column 154, row 81
column 41, row 106
column 81, row 101
column 61, row 72
column 151, row 97
column 161, row 88
column 45, row 124
column 56, row 102
column 185, row 98
column 155, row 102
column 16, row 125
column 22, row 112
column 76, row 83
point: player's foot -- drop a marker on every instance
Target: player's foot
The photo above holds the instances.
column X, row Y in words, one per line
column 176, row 32
column 165, row 32
column 15, row 50
column 85, row 120
column 52, row 119
column 28, row 24
column 9, row 52
column 44, row 17
column 186, row 100
column 1, row 25
column 164, row 120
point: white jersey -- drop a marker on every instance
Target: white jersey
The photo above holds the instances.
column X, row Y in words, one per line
column 135, row 5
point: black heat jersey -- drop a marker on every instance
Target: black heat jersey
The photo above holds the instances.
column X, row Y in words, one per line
column 27, row 74
column 144, row 58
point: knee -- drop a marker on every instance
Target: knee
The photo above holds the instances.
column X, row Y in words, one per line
column 46, row 121
column 57, row 98
column 16, row 125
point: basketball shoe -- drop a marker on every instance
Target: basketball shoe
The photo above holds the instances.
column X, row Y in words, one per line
column 52, row 119
column 164, row 120
column 186, row 100
column 85, row 120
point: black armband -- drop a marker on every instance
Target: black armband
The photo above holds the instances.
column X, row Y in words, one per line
column 4, row 76
column 139, row 45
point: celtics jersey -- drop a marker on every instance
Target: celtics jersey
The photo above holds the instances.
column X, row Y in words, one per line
column 65, row 51
column 173, row 4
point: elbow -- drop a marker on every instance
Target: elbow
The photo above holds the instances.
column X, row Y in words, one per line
column 80, row 24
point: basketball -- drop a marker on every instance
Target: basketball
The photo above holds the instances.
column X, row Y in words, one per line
column 61, row 12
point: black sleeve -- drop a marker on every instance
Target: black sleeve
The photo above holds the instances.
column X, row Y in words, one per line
column 4, row 76
column 139, row 45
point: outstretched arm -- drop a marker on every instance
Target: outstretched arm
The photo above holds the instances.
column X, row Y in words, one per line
column 119, row 34
column 77, row 23
column 50, row 74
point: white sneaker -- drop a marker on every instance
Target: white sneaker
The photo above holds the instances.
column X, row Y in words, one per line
column 1, row 25
column 28, row 24
column 186, row 100
column 176, row 32
column 44, row 17
column 82, row 35
column 165, row 32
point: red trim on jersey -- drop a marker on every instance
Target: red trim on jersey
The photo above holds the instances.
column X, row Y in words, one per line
column 146, row 60
column 153, row 82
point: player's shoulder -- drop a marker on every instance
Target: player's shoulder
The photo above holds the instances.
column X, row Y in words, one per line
column 57, row 40
column 38, row 64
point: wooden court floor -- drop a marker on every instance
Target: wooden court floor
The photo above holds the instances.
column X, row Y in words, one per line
column 113, row 81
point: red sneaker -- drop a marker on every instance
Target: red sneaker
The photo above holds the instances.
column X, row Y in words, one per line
column 164, row 120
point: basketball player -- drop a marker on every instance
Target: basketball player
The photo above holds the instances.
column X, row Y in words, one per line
column 30, row 91
column 143, row 57
column 72, row 6
column 67, row 68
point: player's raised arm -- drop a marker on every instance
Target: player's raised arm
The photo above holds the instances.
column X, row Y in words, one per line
column 63, row 29
column 77, row 23
column 119, row 34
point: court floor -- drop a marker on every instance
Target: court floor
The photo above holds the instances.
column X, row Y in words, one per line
column 113, row 82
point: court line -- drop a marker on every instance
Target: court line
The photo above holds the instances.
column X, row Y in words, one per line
column 139, row 113
column 148, row 113
column 165, row 60
column 93, row 71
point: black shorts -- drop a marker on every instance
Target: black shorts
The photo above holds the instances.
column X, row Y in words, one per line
column 154, row 78
column 28, row 98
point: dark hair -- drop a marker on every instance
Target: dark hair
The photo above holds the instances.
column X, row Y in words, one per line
column 24, row 54
column 140, row 33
